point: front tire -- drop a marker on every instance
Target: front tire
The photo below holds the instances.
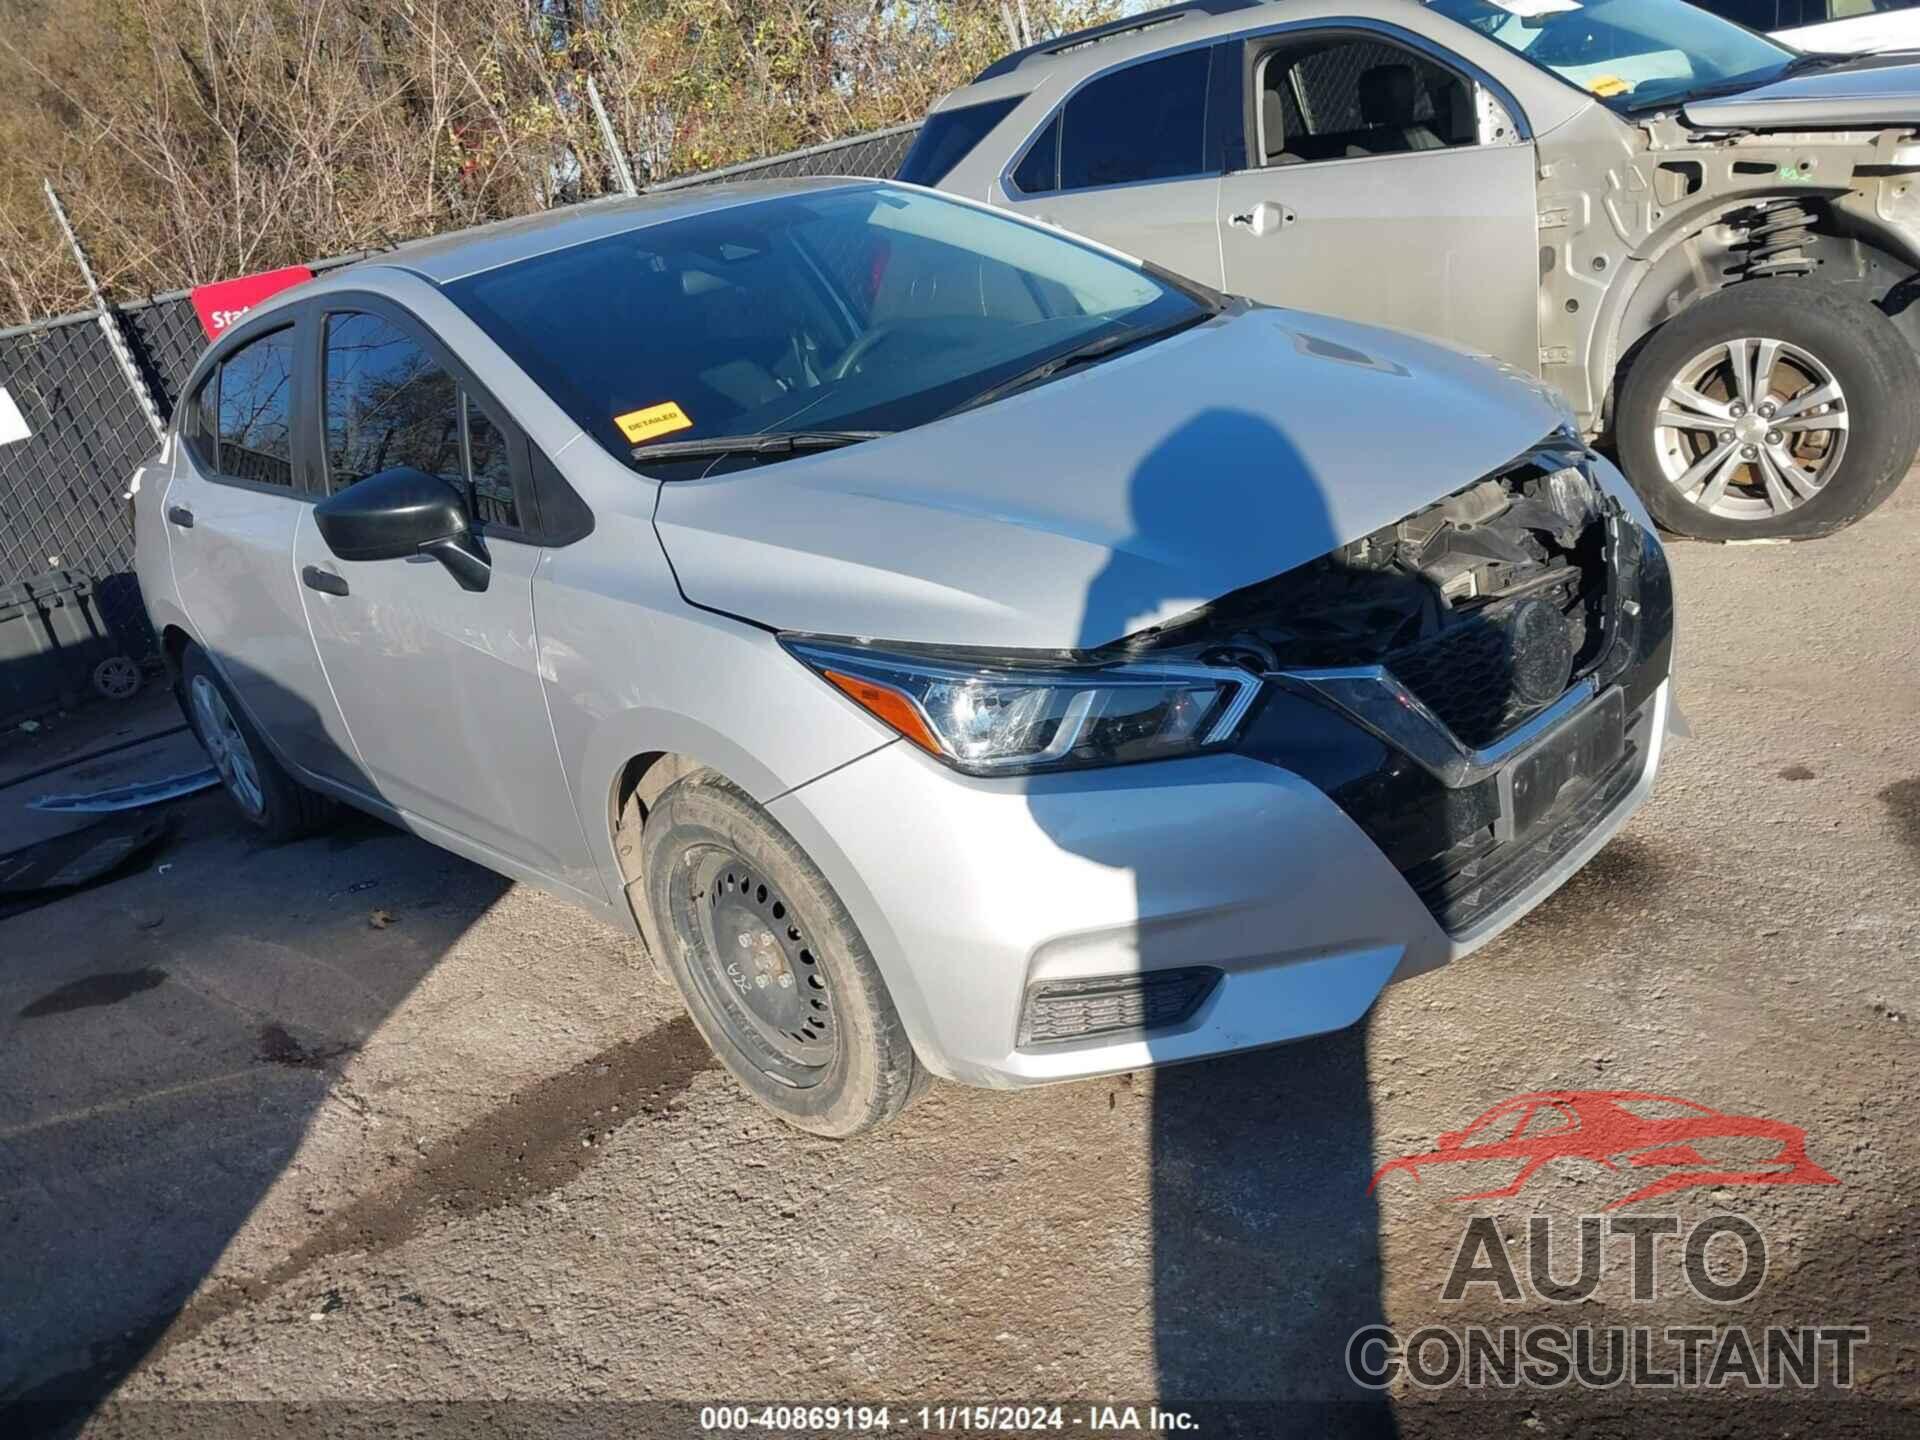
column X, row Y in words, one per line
column 771, row 967
column 271, row 800
column 1772, row 409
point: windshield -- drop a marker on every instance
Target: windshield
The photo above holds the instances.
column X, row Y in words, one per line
column 869, row 308
column 1632, row 54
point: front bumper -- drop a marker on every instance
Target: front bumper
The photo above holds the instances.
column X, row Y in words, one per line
column 972, row 892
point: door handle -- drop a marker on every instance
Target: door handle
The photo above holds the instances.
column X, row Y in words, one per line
column 325, row 581
column 1264, row 218
column 181, row 516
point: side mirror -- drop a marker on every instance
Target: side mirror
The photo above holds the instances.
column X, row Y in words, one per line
column 400, row 513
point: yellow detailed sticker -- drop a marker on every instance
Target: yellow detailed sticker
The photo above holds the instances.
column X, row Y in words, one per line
column 651, row 423
column 1607, row 86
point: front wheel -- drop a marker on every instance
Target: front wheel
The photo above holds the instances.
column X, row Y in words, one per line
column 1773, row 409
column 773, row 971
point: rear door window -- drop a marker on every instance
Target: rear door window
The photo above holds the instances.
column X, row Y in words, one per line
column 1754, row 14
column 200, row 423
column 254, row 418
column 1146, row 122
column 1038, row 172
column 949, row 137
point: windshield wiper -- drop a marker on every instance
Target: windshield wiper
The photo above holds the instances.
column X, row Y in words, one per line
column 769, row 442
column 1085, row 353
column 1798, row 65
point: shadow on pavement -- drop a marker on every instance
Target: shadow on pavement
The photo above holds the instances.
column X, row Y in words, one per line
column 167, row 1041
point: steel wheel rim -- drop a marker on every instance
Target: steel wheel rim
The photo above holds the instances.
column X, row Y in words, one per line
column 1750, row 429
column 227, row 747
column 752, row 961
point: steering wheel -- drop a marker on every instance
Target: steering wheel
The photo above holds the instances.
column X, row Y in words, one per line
column 859, row 350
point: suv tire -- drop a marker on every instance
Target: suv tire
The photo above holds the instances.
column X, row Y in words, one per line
column 771, row 967
column 1776, row 461
column 272, row 801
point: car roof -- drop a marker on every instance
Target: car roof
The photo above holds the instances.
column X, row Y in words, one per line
column 1042, row 73
column 445, row 258
column 1129, row 26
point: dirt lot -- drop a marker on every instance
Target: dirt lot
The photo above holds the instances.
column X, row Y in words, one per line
column 353, row 1120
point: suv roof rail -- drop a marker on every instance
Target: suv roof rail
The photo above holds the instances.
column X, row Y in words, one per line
column 1008, row 63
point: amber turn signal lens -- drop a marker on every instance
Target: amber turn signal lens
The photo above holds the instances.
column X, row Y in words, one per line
column 890, row 707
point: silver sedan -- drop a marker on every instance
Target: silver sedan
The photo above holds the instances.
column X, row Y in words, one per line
column 958, row 649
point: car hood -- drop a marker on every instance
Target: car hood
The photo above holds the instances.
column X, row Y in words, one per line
column 1118, row 497
column 1875, row 90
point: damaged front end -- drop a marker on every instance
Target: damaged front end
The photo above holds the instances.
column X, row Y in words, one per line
column 1471, row 684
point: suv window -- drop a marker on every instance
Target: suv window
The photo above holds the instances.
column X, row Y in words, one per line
column 949, row 137
column 1754, row 14
column 254, row 415
column 1353, row 97
column 1146, row 122
column 1039, row 169
column 388, row 403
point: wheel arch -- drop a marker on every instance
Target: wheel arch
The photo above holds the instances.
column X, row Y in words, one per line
column 635, row 756
column 1707, row 250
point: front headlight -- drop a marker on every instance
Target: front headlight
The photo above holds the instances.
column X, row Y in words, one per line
column 1001, row 714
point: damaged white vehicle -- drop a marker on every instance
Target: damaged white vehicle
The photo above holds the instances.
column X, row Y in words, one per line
column 1706, row 241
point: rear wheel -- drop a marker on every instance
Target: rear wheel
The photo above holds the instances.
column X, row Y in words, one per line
column 271, row 800
column 771, row 967
column 1773, row 409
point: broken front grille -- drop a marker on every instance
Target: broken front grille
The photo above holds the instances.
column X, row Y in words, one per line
column 1487, row 670
column 1486, row 606
column 1465, row 676
column 1478, row 875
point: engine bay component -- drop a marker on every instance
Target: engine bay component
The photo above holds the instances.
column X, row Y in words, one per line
column 1485, row 605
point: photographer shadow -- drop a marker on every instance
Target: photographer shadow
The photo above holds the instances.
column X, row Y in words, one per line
column 1266, row 1248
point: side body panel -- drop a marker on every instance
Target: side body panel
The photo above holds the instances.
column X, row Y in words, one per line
column 631, row 669
column 1441, row 242
column 1170, row 222
column 231, row 549
column 442, row 693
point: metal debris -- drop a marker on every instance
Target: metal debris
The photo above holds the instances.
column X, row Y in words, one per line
column 129, row 797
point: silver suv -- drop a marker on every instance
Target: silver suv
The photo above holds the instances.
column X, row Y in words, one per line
column 956, row 648
column 1704, row 240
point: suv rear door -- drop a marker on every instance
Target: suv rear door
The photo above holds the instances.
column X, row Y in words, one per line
column 1126, row 159
column 236, row 495
column 1381, row 179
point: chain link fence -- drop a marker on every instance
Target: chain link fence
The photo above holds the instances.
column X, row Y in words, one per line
column 60, row 488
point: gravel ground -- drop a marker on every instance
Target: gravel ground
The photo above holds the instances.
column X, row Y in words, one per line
column 354, row 1120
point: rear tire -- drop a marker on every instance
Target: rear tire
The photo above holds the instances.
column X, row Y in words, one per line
column 270, row 799
column 771, row 967
column 1720, row 450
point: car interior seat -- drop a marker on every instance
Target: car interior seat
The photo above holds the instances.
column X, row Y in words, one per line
column 1388, row 96
column 1273, row 130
